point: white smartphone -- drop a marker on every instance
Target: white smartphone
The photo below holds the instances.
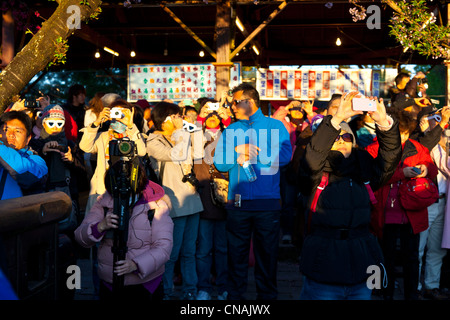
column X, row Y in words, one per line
column 364, row 104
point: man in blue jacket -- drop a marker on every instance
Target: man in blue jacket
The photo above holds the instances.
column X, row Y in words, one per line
column 21, row 171
column 253, row 206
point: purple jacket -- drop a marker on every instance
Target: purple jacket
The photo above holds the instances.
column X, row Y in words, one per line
column 149, row 246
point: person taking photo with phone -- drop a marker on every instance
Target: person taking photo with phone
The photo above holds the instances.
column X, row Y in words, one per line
column 391, row 219
column 339, row 180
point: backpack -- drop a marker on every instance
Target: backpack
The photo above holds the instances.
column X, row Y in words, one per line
column 418, row 193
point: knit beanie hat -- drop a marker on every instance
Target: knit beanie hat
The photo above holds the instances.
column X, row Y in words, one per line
column 53, row 111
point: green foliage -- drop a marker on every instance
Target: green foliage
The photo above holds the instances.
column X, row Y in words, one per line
column 60, row 52
column 414, row 27
column 94, row 15
column 55, row 84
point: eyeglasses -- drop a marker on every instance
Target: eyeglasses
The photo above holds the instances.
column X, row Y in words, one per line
column 236, row 102
column 347, row 137
column 54, row 123
column 13, row 130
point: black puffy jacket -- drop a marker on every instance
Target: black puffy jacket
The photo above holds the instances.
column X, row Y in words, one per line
column 339, row 246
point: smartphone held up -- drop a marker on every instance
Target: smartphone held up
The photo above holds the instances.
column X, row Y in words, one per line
column 361, row 103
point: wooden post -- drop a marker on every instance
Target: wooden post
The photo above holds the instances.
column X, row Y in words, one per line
column 223, row 64
column 447, row 64
column 447, row 89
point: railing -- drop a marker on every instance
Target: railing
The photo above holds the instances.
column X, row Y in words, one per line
column 29, row 236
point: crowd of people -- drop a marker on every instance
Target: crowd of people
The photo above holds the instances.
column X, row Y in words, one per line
column 214, row 183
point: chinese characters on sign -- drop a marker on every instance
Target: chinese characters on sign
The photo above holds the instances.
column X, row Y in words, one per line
column 320, row 84
column 175, row 81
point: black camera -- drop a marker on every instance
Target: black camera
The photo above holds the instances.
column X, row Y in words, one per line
column 61, row 148
column 122, row 148
column 31, row 104
column 192, row 179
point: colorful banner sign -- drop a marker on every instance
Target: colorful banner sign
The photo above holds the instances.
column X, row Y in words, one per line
column 175, row 81
column 320, row 84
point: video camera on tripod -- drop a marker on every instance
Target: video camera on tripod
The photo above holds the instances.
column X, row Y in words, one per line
column 124, row 165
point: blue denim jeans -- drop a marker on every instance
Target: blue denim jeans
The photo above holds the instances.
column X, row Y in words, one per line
column 264, row 226
column 211, row 243
column 185, row 231
column 312, row 290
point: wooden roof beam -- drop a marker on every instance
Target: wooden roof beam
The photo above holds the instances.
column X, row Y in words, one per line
column 188, row 30
column 259, row 28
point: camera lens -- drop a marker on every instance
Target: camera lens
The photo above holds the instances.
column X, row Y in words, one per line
column 125, row 148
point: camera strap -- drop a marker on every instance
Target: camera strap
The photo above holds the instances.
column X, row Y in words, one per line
column 134, row 174
column 181, row 168
column 2, row 182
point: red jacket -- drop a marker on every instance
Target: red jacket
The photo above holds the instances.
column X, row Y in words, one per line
column 413, row 154
column 70, row 127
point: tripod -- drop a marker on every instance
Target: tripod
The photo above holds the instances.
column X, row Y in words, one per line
column 124, row 190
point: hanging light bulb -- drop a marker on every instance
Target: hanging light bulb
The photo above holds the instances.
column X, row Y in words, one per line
column 132, row 54
column 201, row 53
column 338, row 41
column 97, row 54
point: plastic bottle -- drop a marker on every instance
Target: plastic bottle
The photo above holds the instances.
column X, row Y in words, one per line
column 249, row 171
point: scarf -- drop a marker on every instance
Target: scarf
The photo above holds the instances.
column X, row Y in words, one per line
column 341, row 166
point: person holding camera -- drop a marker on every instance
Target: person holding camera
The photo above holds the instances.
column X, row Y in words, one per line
column 170, row 148
column 339, row 180
column 296, row 117
column 121, row 127
column 211, row 106
column 63, row 158
column 149, row 243
column 392, row 221
column 431, row 238
column 212, row 239
column 407, row 87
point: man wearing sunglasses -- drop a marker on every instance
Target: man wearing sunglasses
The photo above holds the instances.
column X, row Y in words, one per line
column 21, row 170
column 265, row 143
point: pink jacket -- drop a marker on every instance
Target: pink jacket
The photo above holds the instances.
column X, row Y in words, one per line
column 148, row 246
